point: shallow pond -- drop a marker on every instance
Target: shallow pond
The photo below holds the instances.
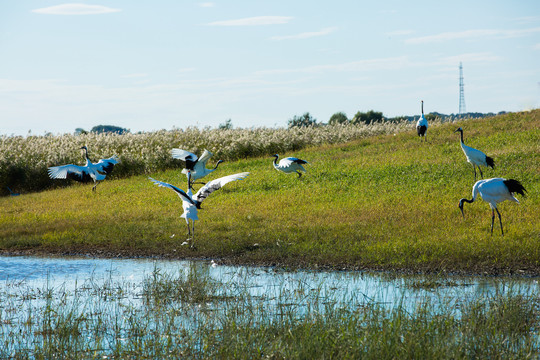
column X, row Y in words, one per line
column 106, row 301
column 69, row 273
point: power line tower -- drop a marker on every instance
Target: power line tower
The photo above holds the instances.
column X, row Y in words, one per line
column 461, row 93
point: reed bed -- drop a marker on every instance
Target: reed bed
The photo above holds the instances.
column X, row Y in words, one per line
column 192, row 316
column 24, row 160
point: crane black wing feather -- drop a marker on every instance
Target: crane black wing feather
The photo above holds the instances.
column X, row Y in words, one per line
column 70, row 171
column 179, row 191
column 514, row 186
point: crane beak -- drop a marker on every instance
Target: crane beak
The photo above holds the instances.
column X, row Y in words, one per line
column 461, row 208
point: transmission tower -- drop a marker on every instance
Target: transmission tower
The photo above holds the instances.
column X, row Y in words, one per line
column 461, row 93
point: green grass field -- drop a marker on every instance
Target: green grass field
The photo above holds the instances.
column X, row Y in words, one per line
column 385, row 202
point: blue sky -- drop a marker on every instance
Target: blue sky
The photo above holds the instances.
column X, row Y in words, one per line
column 150, row 65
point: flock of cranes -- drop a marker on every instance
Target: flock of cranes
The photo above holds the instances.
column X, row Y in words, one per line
column 493, row 191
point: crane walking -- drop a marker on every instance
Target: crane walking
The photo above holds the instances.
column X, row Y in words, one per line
column 494, row 191
column 475, row 157
column 422, row 125
column 96, row 172
column 289, row 165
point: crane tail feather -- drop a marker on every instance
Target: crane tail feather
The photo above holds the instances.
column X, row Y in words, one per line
column 514, row 186
column 490, row 162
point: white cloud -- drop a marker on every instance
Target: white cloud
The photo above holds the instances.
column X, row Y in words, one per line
column 207, row 4
column 253, row 21
column 306, row 35
column 472, row 34
column 76, row 9
column 536, row 46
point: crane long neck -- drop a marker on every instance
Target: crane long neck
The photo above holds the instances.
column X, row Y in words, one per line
column 461, row 134
column 275, row 160
column 86, row 154
column 422, row 108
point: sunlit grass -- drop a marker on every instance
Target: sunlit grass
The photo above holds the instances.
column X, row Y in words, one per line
column 386, row 201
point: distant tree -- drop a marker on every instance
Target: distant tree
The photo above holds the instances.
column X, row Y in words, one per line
column 367, row 118
column 80, row 131
column 227, row 125
column 338, row 118
column 398, row 119
column 305, row 120
column 109, row 129
column 431, row 117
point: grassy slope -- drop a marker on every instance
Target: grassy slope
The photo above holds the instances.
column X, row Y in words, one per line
column 384, row 202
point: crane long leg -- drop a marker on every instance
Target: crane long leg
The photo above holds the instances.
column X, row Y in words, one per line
column 481, row 175
column 492, row 219
column 188, row 228
column 500, row 221
column 299, row 173
column 193, row 234
column 474, row 169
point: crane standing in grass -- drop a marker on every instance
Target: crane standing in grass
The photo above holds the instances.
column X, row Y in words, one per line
column 96, row 172
column 289, row 165
column 475, row 157
column 494, row 191
column 422, row 125
column 194, row 165
column 192, row 203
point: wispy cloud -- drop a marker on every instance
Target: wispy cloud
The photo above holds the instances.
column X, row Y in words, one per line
column 386, row 64
column 472, row 34
column 207, row 4
column 306, row 35
column 480, row 57
column 361, row 65
column 136, row 75
column 76, row 9
column 253, row 21
column 536, row 46
column 400, row 33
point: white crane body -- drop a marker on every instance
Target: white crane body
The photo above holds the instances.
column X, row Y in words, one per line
column 90, row 171
column 289, row 165
column 494, row 191
column 422, row 124
column 475, row 157
column 192, row 203
column 195, row 165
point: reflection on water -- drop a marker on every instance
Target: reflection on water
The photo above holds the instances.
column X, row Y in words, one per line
column 68, row 273
column 109, row 304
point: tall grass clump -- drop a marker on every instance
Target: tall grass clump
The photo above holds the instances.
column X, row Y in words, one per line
column 24, row 160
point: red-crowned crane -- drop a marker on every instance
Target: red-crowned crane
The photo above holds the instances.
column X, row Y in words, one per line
column 494, row 191
column 289, row 165
column 192, row 203
column 96, row 172
column 422, row 125
column 194, row 165
column 475, row 157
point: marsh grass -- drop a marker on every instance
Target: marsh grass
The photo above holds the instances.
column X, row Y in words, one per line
column 153, row 320
column 384, row 202
column 24, row 160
